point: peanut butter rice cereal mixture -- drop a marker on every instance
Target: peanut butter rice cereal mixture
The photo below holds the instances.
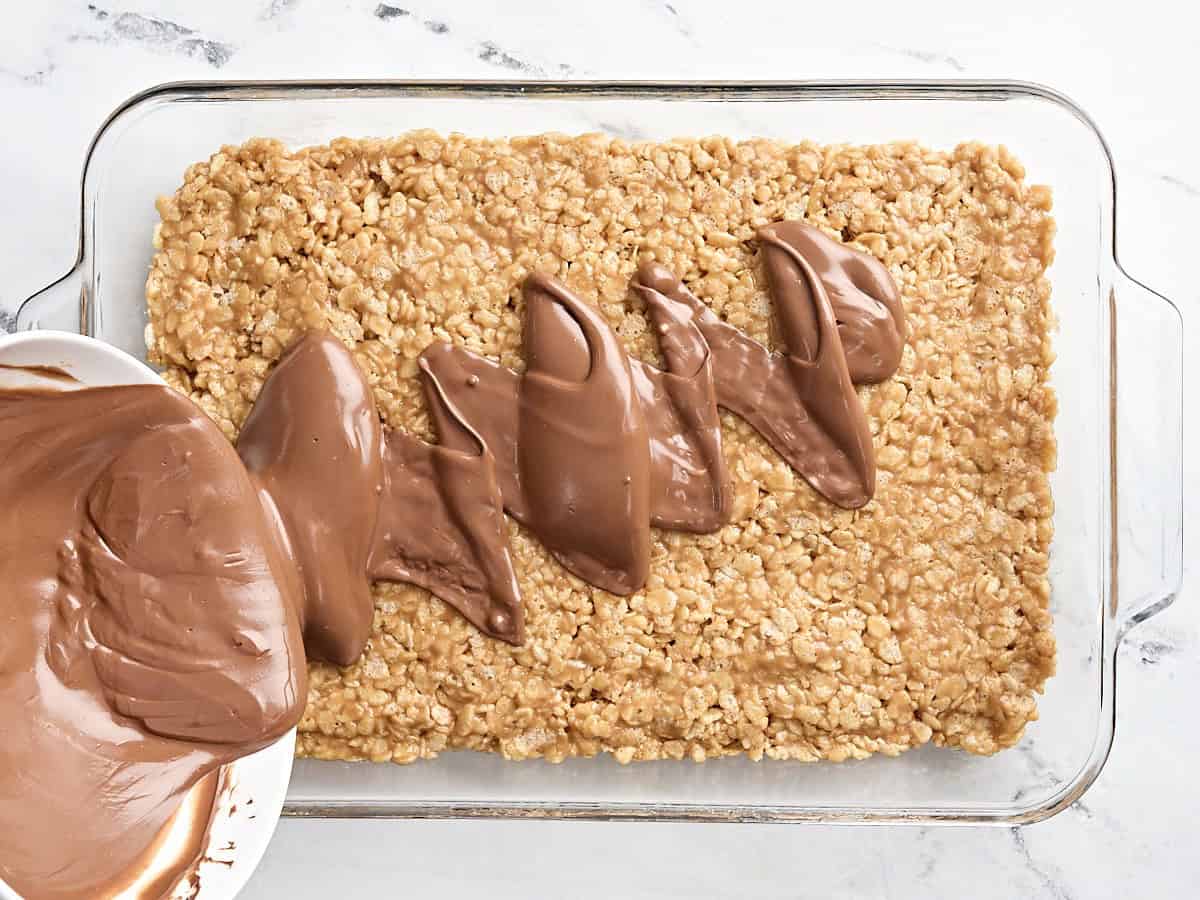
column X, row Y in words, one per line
column 800, row 630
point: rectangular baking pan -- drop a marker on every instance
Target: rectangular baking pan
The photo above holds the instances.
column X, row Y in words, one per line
column 1117, row 552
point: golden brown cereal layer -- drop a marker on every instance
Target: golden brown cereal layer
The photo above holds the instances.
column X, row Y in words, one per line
column 800, row 630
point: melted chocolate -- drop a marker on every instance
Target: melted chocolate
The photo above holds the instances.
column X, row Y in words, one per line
column 318, row 464
column 592, row 448
column 441, row 522
column 146, row 640
column 865, row 299
column 356, row 503
column 159, row 593
column 583, row 455
column 801, row 401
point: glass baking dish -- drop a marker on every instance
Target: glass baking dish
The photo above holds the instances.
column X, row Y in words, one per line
column 1117, row 489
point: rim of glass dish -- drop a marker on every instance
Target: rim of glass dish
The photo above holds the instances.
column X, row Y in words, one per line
column 731, row 90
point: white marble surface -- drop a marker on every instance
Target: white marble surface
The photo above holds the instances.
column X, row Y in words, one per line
column 64, row 66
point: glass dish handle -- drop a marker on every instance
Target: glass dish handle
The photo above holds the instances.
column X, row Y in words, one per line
column 61, row 305
column 1148, row 368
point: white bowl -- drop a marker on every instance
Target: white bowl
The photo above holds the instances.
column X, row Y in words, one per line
column 253, row 788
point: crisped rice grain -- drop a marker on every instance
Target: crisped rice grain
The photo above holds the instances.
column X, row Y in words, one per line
column 798, row 631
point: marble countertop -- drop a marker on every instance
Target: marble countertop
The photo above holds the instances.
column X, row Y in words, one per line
column 65, row 65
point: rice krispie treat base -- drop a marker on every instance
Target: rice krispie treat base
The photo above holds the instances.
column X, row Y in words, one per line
column 798, row 631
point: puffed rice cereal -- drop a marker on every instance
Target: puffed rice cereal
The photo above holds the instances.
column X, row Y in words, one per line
column 798, row 631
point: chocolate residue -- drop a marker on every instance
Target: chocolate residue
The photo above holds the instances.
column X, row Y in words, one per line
column 49, row 373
